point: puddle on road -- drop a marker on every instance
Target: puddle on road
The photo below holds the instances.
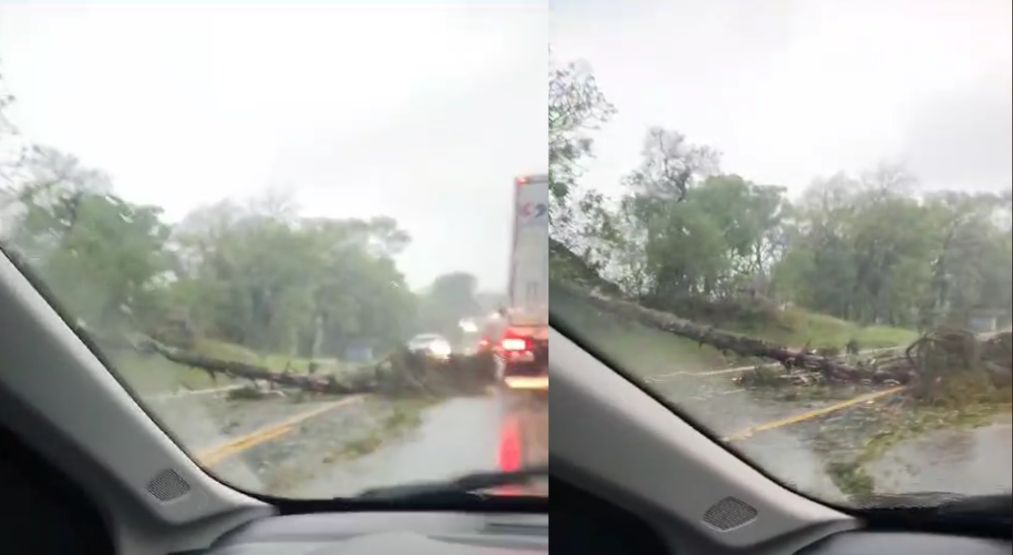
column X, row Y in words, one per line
column 976, row 461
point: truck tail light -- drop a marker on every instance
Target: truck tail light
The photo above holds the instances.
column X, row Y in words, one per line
column 515, row 344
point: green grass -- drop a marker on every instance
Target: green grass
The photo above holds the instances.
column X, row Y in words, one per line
column 800, row 327
column 274, row 362
column 633, row 346
column 230, row 351
column 225, row 350
column 152, row 374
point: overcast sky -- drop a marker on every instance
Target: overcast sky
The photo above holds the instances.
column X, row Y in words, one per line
column 421, row 113
column 788, row 90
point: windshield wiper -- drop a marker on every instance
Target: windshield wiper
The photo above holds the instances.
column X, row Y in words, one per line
column 924, row 500
column 469, row 487
column 944, row 504
column 993, row 507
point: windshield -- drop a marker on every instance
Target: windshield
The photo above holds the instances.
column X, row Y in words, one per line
column 791, row 221
column 251, row 211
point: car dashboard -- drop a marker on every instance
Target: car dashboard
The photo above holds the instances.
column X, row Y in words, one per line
column 369, row 533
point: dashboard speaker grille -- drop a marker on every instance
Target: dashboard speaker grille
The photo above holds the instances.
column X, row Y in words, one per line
column 168, row 485
column 729, row 513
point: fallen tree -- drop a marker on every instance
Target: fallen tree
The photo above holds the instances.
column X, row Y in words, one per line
column 924, row 362
column 831, row 368
column 399, row 373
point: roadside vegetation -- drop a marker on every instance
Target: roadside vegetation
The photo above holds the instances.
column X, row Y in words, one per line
column 252, row 281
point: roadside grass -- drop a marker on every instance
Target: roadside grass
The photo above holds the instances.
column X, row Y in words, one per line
column 633, row 346
column 152, row 374
column 274, row 362
column 225, row 350
column 800, row 327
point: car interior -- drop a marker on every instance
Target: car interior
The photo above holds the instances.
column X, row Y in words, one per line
column 85, row 470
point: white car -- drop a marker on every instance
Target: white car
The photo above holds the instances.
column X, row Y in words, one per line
column 430, row 344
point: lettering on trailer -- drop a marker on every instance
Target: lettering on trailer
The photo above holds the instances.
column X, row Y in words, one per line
column 532, row 212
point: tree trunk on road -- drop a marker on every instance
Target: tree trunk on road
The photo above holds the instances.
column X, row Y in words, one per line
column 725, row 341
column 400, row 373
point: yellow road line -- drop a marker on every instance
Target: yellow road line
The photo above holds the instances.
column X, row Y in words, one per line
column 219, row 454
column 235, row 446
column 773, row 425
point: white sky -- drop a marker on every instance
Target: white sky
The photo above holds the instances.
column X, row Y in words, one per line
column 788, row 90
column 422, row 113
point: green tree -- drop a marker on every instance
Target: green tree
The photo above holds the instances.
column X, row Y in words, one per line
column 450, row 298
column 750, row 217
column 670, row 166
column 576, row 108
column 102, row 256
column 872, row 250
column 262, row 277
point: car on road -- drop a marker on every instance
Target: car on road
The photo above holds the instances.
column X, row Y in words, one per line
column 431, row 345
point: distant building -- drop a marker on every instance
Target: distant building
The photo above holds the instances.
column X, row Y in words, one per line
column 359, row 351
column 983, row 320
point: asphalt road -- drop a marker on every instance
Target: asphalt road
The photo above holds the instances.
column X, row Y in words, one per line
column 330, row 446
column 795, row 436
column 321, row 447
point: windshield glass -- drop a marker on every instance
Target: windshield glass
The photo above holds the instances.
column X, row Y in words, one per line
column 250, row 211
column 791, row 221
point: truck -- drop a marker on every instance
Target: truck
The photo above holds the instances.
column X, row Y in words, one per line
column 524, row 346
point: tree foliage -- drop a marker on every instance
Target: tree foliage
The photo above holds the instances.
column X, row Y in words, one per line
column 260, row 276
column 257, row 275
column 576, row 108
column 450, row 298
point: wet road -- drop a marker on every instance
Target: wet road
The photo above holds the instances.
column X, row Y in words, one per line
column 313, row 446
column 328, row 446
column 981, row 458
column 453, row 438
column 796, row 433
